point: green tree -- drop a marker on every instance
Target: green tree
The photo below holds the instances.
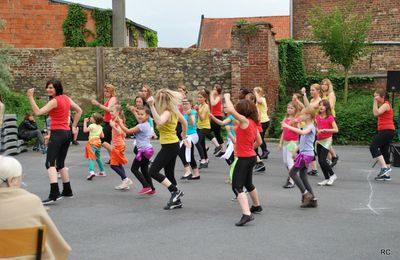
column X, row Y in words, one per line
column 5, row 59
column 342, row 35
column 74, row 27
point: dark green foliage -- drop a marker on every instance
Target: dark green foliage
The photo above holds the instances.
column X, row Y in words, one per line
column 103, row 19
column 151, row 39
column 74, row 27
column 291, row 66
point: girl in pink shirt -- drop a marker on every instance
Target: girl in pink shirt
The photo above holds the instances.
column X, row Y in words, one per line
column 289, row 140
column 326, row 126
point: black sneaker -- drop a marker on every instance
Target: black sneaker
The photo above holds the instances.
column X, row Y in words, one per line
column 69, row 195
column 384, row 177
column 75, row 142
column 256, row 209
column 219, row 154
column 175, row 205
column 259, row 167
column 313, row 173
column 334, row 161
column 50, row 201
column 265, row 155
column 244, row 220
column 176, row 195
column 217, row 149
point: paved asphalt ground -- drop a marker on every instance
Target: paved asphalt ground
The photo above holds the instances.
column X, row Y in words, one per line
column 357, row 218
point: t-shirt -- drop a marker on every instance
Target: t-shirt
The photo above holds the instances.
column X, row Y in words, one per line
column 144, row 136
column 191, row 129
column 245, row 140
column 324, row 123
column 95, row 130
column 262, row 107
column 306, row 145
column 204, row 124
column 289, row 135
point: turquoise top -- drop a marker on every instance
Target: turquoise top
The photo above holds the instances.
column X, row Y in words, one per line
column 191, row 129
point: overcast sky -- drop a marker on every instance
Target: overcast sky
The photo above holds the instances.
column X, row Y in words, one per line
column 177, row 22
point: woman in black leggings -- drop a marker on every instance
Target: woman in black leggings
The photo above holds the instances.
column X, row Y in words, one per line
column 166, row 115
column 58, row 109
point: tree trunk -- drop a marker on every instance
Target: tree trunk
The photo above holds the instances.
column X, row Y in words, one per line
column 346, row 84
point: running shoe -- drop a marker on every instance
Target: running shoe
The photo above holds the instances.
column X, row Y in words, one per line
column 219, row 154
column 334, row 161
column 244, row 219
column 384, row 171
column 50, row 201
column 385, row 177
column 217, row 149
column 125, row 184
column 90, row 176
column 323, row 183
column 174, row 205
column 203, row 165
column 331, row 180
column 152, row 192
column 313, row 173
column 144, row 191
column 264, row 155
column 256, row 209
column 259, row 167
column 176, row 195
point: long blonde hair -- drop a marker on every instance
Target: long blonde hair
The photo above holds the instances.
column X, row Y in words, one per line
column 330, row 86
column 259, row 91
column 167, row 99
column 110, row 89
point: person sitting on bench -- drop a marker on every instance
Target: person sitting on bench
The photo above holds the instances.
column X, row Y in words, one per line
column 28, row 130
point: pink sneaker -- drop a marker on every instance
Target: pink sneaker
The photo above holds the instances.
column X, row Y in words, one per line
column 145, row 191
column 152, row 192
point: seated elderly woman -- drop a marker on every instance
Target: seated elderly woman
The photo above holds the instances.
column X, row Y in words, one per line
column 28, row 130
column 21, row 209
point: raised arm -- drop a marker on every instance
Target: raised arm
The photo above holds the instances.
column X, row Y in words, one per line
column 112, row 102
column 382, row 109
column 220, row 122
column 40, row 111
column 243, row 121
column 159, row 119
column 305, row 99
column 214, row 98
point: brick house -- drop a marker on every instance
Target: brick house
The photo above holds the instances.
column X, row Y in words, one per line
column 32, row 23
column 216, row 32
column 384, row 34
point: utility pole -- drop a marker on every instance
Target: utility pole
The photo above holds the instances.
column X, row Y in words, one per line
column 118, row 23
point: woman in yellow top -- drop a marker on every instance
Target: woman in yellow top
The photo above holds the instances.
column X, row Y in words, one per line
column 328, row 93
column 315, row 92
column 263, row 109
column 203, row 126
column 164, row 107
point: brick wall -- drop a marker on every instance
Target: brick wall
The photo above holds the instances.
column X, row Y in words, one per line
column 35, row 23
column 260, row 68
column 385, row 13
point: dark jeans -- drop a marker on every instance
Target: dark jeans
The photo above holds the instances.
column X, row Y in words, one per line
column 30, row 134
column 381, row 143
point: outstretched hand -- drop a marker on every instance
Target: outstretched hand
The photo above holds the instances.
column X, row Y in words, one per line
column 30, row 92
column 150, row 101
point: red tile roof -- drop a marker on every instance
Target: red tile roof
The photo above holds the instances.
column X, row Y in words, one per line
column 216, row 32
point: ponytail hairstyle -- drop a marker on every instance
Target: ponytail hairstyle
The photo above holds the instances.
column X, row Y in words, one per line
column 167, row 99
column 206, row 94
column 259, row 91
column 248, row 109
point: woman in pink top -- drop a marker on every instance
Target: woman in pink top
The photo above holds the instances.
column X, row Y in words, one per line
column 58, row 109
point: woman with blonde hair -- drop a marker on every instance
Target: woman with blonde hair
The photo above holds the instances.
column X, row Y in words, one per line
column 328, row 93
column 263, row 110
column 111, row 100
column 164, row 107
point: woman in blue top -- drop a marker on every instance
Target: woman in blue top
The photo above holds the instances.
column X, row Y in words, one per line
column 187, row 153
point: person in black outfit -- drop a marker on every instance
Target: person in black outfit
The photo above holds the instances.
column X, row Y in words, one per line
column 28, row 130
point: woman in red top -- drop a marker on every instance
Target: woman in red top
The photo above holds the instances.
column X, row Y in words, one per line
column 58, row 109
column 247, row 139
column 216, row 111
column 111, row 100
column 380, row 144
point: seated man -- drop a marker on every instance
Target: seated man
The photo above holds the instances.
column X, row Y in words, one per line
column 22, row 209
column 28, row 130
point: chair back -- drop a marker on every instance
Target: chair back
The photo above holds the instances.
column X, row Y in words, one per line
column 23, row 242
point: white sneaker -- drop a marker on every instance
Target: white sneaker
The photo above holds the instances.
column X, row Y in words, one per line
column 90, row 176
column 331, row 180
column 323, row 183
column 124, row 184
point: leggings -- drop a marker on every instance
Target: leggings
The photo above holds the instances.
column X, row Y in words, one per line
column 381, row 143
column 107, row 133
column 119, row 169
column 58, row 148
column 201, row 144
column 243, row 174
column 143, row 175
column 302, row 181
column 322, row 153
column 165, row 158
column 98, row 160
column 264, row 126
column 182, row 150
column 216, row 129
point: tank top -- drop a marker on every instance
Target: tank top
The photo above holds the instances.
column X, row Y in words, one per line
column 167, row 131
column 107, row 115
column 385, row 120
column 60, row 114
column 262, row 107
column 203, row 124
column 332, row 108
column 217, row 109
column 245, row 140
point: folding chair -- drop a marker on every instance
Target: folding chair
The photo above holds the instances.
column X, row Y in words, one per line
column 23, row 242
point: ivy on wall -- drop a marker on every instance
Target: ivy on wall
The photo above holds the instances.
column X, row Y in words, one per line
column 103, row 20
column 75, row 33
column 151, row 39
column 134, row 32
column 247, row 29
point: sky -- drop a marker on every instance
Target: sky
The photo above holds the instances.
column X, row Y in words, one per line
column 177, row 22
